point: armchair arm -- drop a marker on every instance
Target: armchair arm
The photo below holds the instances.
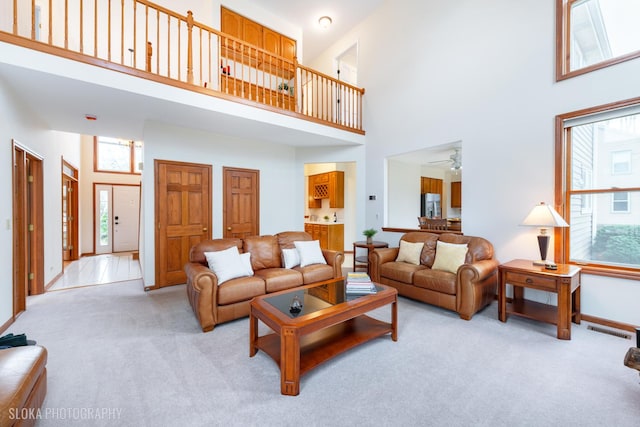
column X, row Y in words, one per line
column 202, row 291
column 476, row 286
column 335, row 259
column 379, row 256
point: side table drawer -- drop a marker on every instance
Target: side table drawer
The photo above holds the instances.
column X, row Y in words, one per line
column 530, row 281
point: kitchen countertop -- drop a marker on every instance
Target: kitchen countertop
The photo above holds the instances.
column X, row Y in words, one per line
column 323, row 222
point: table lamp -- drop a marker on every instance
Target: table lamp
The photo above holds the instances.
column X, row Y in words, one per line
column 544, row 216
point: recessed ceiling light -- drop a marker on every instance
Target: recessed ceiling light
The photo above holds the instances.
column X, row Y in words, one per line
column 325, row 21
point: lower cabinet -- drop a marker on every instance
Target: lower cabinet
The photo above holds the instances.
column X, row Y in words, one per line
column 331, row 236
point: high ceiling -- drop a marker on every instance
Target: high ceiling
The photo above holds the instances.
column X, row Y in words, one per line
column 61, row 102
column 345, row 15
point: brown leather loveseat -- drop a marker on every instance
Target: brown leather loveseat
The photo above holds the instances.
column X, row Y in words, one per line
column 471, row 287
column 213, row 303
column 23, row 384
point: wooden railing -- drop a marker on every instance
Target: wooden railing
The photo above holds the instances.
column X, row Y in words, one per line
column 147, row 40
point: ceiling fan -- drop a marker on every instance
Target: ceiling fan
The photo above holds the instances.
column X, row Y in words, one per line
column 455, row 159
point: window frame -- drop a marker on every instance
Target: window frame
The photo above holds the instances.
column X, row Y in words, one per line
column 132, row 166
column 563, row 46
column 627, row 202
column 563, row 194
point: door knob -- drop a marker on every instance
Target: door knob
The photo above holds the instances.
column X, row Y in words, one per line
column 229, row 228
column 204, row 228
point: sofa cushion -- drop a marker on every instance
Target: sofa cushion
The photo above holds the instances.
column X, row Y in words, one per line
column 286, row 238
column 410, row 252
column 265, row 251
column 479, row 248
column 315, row 273
column 229, row 264
column 436, row 280
column 428, row 254
column 277, row 279
column 310, row 253
column 400, row 271
column 241, row 289
column 196, row 254
column 290, row 258
column 449, row 256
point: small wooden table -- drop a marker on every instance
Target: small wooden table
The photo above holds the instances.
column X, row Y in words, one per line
column 363, row 261
column 329, row 323
column 565, row 281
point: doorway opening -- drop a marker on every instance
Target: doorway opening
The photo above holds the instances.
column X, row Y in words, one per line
column 70, row 246
column 346, row 66
column 28, row 226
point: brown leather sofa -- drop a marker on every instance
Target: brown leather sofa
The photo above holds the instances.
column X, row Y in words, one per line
column 23, row 384
column 214, row 304
column 465, row 292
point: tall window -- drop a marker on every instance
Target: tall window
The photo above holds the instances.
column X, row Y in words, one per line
column 117, row 155
column 593, row 34
column 598, row 181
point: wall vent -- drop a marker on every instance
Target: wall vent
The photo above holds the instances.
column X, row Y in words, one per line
column 610, row 332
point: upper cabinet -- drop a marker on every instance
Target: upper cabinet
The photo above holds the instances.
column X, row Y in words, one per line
column 430, row 185
column 456, row 194
column 256, row 34
column 329, row 185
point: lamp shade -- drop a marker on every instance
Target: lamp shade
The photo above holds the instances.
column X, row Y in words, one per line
column 544, row 215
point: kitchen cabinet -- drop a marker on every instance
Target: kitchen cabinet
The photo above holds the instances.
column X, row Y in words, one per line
column 257, row 35
column 456, row 194
column 329, row 185
column 430, row 185
column 330, row 235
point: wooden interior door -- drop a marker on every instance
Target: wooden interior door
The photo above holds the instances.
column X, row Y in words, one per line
column 182, row 214
column 241, row 202
column 28, row 226
column 70, row 247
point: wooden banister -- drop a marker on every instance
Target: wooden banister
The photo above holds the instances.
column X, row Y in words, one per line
column 102, row 32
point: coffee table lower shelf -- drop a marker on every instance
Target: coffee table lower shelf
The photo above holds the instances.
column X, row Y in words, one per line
column 322, row 345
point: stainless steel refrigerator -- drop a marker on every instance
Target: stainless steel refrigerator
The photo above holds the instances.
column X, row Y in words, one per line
column 430, row 205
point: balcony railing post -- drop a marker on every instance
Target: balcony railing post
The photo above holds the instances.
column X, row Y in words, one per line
column 190, row 47
column 149, row 55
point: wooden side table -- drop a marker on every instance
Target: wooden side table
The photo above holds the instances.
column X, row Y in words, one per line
column 565, row 281
column 363, row 261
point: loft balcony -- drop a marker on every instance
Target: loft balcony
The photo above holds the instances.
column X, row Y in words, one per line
column 143, row 40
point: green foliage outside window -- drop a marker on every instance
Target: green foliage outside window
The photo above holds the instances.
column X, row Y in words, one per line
column 618, row 244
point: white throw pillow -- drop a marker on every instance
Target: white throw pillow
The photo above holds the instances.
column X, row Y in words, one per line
column 449, row 256
column 229, row 264
column 410, row 252
column 290, row 258
column 310, row 252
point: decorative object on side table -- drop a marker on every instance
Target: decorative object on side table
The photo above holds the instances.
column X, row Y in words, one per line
column 369, row 233
column 544, row 216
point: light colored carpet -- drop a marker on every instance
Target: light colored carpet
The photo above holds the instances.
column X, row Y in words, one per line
column 143, row 354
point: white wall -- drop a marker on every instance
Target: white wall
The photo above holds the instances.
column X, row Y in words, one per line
column 481, row 72
column 281, row 181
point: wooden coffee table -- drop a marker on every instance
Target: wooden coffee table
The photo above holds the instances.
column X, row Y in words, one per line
column 329, row 324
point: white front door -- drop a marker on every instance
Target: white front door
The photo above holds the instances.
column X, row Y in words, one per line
column 126, row 217
column 117, row 218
